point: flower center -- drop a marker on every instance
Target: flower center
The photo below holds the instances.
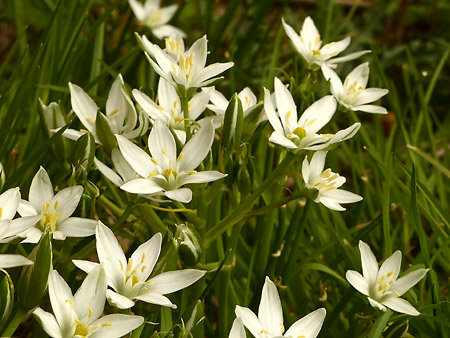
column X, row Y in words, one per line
column 185, row 66
column 50, row 216
column 173, row 46
column 352, row 91
column 385, row 282
column 326, row 181
column 155, row 17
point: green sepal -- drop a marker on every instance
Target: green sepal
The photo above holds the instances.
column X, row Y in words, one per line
column 104, row 132
column 239, row 123
column 33, row 279
column 253, row 116
column 83, row 152
column 6, row 297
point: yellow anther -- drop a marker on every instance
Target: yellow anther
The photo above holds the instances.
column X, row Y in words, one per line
column 288, row 115
column 282, row 328
column 107, row 324
column 70, row 302
column 191, row 172
column 380, row 288
column 80, row 330
column 246, row 99
column 145, row 288
column 175, row 103
column 121, row 264
column 149, row 282
column 44, row 219
column 154, row 161
column 143, row 258
column 45, row 207
column 114, row 112
column 152, row 175
column 90, row 312
column 397, row 293
column 264, row 331
column 1, row 212
column 391, row 282
column 145, row 267
column 164, row 150
column 159, row 107
column 301, row 337
column 90, row 119
column 77, row 320
column 134, row 280
column 190, row 104
column 390, row 273
column 180, row 156
column 130, row 264
column 316, row 52
column 84, row 131
column 56, row 204
column 53, row 220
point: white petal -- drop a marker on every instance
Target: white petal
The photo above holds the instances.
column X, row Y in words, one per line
column 360, row 75
column 369, row 108
column 210, row 72
column 121, row 165
column 317, row 164
column 117, row 325
column 196, row 149
column 19, row 225
column 203, row 177
column 61, row 299
column 119, row 301
column 346, row 133
column 9, row 202
column 342, row 196
column 33, row 235
column 48, row 323
column 147, row 254
column 138, row 159
column 271, row 114
column 111, row 254
column 199, row 51
column 369, row 95
column 368, row 262
column 71, row 134
column 142, row 186
column 161, row 143
column 41, row 190
column 309, row 326
column 249, row 319
column 108, row 173
column 86, row 266
column 77, row 227
column 183, row 195
column 84, row 107
column 66, row 201
column 90, row 298
column 295, row 39
column 357, row 281
column 330, row 203
column 10, row 261
column 336, row 87
column 391, row 266
column 282, row 140
column 305, row 170
column 334, row 48
column 285, row 104
column 400, row 305
column 376, row 304
column 318, row 114
column 166, row 30
column 27, row 209
column 155, row 298
column 172, row 281
column 406, row 282
column 199, row 101
column 237, row 330
column 270, row 312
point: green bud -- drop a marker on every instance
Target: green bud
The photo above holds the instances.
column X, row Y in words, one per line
column 104, row 132
column 6, row 297
column 229, row 122
column 83, row 153
column 243, row 180
column 187, row 244
column 252, row 119
column 2, row 176
column 33, row 279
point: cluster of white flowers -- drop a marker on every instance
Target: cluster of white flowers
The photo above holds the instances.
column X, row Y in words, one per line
column 184, row 93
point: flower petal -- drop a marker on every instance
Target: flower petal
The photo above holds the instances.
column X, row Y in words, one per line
column 61, row 299
column 369, row 108
column 196, row 149
column 369, row 263
column 10, row 261
column 27, row 209
column 66, row 201
column 183, row 195
column 347, row 57
column 249, row 319
column 337, row 89
column 282, row 140
column 21, row 224
column 84, row 107
column 156, row 298
column 147, row 254
column 118, row 300
column 172, row 281
column 9, row 202
column 138, row 159
column 270, row 312
column 77, row 227
column 318, row 114
column 203, row 177
column 90, row 298
column 41, row 189
column 48, row 323
column 108, row 173
column 162, row 144
column 308, row 326
column 360, row 75
column 400, row 305
column 406, row 282
column 369, row 95
column 142, row 186
column 376, row 304
column 237, row 330
column 357, row 281
column 285, row 105
column 391, row 266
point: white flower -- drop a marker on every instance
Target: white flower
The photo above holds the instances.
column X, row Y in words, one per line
column 353, row 94
column 309, row 45
column 168, row 108
column 78, row 315
column 302, row 134
column 326, row 183
column 54, row 210
column 156, row 17
column 130, row 279
column 269, row 322
column 120, row 113
column 164, row 172
column 381, row 286
column 186, row 71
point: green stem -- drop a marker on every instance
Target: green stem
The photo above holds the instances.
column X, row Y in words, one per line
column 185, row 108
column 380, row 324
column 14, row 322
column 240, row 211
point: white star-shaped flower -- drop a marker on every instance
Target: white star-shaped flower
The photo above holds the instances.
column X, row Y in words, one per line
column 129, row 279
column 381, row 285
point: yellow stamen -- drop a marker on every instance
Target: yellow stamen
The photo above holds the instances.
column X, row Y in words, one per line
column 90, row 119
column 1, row 212
column 130, row 264
column 90, row 312
column 180, row 156
column 107, row 324
column 300, row 132
column 134, row 280
column 70, row 302
column 316, row 52
column 151, row 175
column 143, row 258
column 397, row 293
column 56, row 204
column 149, row 282
column 175, row 104
column 164, row 150
column 144, row 268
column 191, row 172
column 264, row 331
column 154, row 161
column 159, row 107
column 390, row 273
column 114, row 112
column 121, row 264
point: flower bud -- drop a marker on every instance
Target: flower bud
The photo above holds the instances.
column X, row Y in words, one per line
column 187, row 244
